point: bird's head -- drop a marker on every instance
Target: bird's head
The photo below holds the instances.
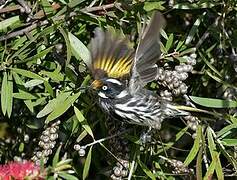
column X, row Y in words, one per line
column 108, row 88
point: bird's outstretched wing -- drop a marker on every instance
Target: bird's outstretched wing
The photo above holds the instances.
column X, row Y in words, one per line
column 147, row 53
column 111, row 55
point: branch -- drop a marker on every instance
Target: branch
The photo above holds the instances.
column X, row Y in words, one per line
column 25, row 6
column 103, row 7
column 10, row 8
column 45, row 22
column 23, row 31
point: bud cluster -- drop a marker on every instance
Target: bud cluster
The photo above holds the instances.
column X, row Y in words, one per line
column 119, row 146
column 120, row 171
column 230, row 94
column 192, row 122
column 179, row 167
column 47, row 143
column 174, row 79
column 81, row 149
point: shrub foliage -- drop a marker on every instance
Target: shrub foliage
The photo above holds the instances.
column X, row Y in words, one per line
column 46, row 115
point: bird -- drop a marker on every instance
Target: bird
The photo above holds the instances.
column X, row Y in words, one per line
column 120, row 74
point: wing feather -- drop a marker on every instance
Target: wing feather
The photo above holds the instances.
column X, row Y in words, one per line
column 147, row 53
column 111, row 55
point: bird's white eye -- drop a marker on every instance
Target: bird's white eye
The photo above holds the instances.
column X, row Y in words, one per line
column 104, row 88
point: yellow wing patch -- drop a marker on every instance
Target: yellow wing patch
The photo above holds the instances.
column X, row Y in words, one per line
column 114, row 68
column 111, row 55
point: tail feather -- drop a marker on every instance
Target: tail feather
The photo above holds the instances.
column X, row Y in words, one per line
column 191, row 109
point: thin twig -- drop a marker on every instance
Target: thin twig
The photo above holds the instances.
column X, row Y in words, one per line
column 131, row 169
column 173, row 54
column 45, row 22
column 102, row 7
column 4, row 3
column 25, row 6
column 23, row 31
column 10, row 8
column 107, row 138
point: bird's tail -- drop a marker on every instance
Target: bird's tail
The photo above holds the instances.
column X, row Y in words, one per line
column 192, row 109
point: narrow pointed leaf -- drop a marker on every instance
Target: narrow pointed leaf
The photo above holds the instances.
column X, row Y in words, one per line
column 214, row 103
column 56, row 156
column 26, row 73
column 146, row 170
column 169, row 42
column 192, row 154
column 53, row 104
column 4, row 93
column 63, row 108
column 10, row 95
column 87, row 164
column 8, row 22
column 33, row 82
column 79, row 50
column 83, row 121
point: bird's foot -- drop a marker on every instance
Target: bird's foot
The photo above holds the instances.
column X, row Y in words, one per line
column 146, row 137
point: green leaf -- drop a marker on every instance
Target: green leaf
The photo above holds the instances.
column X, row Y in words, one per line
column 169, row 42
column 22, row 89
column 232, row 118
column 54, row 104
column 217, row 79
column 193, row 30
column 180, row 44
column 181, row 133
column 71, row 74
column 74, row 3
column 63, row 108
column 199, row 163
column 210, row 171
column 49, row 88
column 56, row 75
column 33, row 83
column 47, row 7
column 56, row 156
column 24, row 95
column 7, row 94
column 149, row 6
column 163, row 34
column 37, row 56
column 10, row 95
column 4, row 93
column 230, row 158
column 146, row 170
column 226, row 131
column 211, row 144
column 44, row 32
column 194, row 5
column 26, row 73
column 192, row 154
column 8, row 22
column 214, row 153
column 209, row 64
column 187, row 51
column 229, row 142
column 21, row 147
column 79, row 50
column 69, row 52
column 213, row 103
column 87, row 164
column 65, row 175
column 83, row 122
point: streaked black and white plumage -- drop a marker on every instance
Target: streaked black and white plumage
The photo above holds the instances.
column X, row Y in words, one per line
column 120, row 74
